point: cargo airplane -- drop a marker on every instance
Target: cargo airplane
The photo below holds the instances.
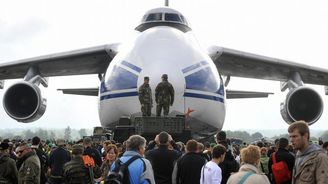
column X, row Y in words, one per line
column 165, row 45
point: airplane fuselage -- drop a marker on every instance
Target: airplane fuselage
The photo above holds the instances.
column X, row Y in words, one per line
column 163, row 50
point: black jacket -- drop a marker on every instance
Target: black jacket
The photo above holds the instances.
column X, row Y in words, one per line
column 189, row 167
column 57, row 159
column 283, row 155
column 162, row 160
column 228, row 166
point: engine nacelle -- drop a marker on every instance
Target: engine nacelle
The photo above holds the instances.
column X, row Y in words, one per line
column 23, row 102
column 302, row 103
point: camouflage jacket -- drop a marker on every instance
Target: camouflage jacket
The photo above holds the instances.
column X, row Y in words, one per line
column 29, row 172
column 76, row 173
column 145, row 96
column 8, row 170
column 164, row 93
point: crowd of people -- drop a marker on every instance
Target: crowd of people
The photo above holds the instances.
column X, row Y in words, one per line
column 164, row 161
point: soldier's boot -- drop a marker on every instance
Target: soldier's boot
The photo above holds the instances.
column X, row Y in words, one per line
column 166, row 109
column 158, row 110
column 148, row 110
column 143, row 110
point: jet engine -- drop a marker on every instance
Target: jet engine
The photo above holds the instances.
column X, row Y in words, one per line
column 23, row 102
column 302, row 103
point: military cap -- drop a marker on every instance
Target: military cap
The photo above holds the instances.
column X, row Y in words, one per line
column 146, row 78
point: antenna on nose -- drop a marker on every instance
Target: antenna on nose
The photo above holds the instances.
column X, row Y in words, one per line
column 167, row 3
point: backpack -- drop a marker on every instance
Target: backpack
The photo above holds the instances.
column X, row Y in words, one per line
column 280, row 170
column 120, row 174
column 88, row 161
column 90, row 164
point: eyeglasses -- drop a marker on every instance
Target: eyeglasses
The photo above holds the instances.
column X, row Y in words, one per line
column 21, row 151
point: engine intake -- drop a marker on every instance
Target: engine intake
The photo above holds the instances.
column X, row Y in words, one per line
column 23, row 102
column 302, row 103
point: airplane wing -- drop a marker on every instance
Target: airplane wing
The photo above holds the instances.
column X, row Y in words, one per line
column 93, row 60
column 233, row 94
column 241, row 64
column 81, row 91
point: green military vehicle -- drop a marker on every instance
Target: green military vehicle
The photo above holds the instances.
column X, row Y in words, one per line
column 149, row 127
column 101, row 134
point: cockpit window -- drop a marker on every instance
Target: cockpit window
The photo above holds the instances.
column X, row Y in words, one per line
column 154, row 17
column 172, row 17
column 203, row 80
column 183, row 19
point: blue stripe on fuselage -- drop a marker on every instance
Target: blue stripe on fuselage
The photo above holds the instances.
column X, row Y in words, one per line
column 208, row 97
column 133, row 67
column 194, row 66
column 135, row 93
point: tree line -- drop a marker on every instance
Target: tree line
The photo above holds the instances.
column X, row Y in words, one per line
column 46, row 134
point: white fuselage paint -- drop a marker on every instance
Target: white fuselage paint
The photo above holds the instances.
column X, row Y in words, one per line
column 156, row 51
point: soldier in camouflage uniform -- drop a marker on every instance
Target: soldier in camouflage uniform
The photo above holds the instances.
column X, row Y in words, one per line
column 164, row 96
column 145, row 98
column 75, row 171
column 8, row 169
column 29, row 165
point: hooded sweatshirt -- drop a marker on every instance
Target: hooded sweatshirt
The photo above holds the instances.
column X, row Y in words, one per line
column 302, row 157
column 311, row 166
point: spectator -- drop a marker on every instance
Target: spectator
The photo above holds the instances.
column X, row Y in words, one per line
column 264, row 161
column 92, row 152
column 249, row 172
column 110, row 158
column 30, row 168
column 43, row 157
column 120, row 149
column 208, row 151
column 211, row 173
column 162, row 159
column 140, row 170
column 76, row 171
column 188, row 167
column 201, row 149
column 58, row 158
column 12, row 151
column 273, row 148
column 311, row 162
column 325, row 147
column 181, row 147
column 320, row 142
column 8, row 169
column 229, row 164
column 282, row 155
column 104, row 149
column 260, row 144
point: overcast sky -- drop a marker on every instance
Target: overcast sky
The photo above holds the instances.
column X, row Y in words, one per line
column 294, row 30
